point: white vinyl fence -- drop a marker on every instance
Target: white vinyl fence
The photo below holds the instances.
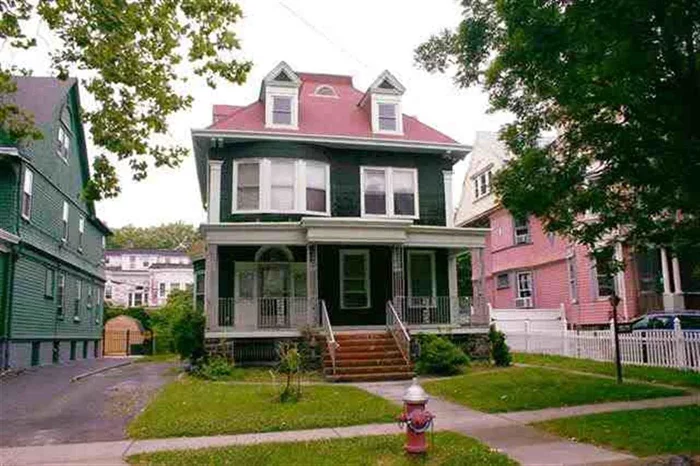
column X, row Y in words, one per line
column 677, row 348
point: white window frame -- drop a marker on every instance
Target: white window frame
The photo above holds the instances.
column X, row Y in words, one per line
column 389, row 197
column 322, row 87
column 355, row 252
column 78, row 298
column 61, row 297
column 386, row 99
column 81, row 233
column 27, row 193
column 162, row 289
column 519, row 290
column 63, row 141
column 522, row 239
column 482, row 184
column 433, row 277
column 265, row 187
column 596, row 277
column 64, row 222
column 274, row 91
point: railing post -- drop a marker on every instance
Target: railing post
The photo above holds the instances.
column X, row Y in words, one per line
column 564, row 330
column 527, row 334
column 679, row 337
column 612, row 338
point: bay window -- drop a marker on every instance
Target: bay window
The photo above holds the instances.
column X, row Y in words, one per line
column 279, row 185
column 389, row 191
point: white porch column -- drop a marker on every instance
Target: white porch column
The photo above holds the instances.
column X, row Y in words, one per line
column 312, row 284
column 453, row 285
column 449, row 206
column 211, row 287
column 664, row 272
column 214, row 198
column 678, row 298
column 398, row 278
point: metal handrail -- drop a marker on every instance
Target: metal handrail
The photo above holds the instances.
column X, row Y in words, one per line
column 330, row 337
column 398, row 330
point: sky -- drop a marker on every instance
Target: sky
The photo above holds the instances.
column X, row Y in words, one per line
column 359, row 38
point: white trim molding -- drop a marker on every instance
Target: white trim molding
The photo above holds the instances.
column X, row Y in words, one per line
column 214, row 201
column 447, row 176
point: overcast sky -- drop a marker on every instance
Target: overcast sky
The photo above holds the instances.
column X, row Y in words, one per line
column 359, row 38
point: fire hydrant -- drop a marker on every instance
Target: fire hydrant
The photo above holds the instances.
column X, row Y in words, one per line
column 418, row 420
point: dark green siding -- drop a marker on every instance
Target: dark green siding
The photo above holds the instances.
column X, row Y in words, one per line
column 4, row 273
column 345, row 177
column 9, row 196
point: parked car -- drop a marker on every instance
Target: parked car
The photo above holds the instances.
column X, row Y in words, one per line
column 690, row 320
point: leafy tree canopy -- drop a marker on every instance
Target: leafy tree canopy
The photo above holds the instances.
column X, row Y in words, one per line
column 617, row 83
column 175, row 236
column 138, row 56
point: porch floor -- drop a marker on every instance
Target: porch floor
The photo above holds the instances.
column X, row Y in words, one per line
column 292, row 333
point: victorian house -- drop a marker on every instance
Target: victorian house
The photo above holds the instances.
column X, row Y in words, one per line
column 330, row 208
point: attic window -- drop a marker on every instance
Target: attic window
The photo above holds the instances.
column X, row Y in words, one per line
column 326, row 91
column 282, row 76
column 387, row 117
column 281, row 110
column 385, row 84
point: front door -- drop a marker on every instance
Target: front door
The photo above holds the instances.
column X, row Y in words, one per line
column 274, row 291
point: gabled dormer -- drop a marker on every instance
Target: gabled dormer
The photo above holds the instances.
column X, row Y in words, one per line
column 383, row 101
column 280, row 93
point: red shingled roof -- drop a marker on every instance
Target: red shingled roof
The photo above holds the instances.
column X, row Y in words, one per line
column 324, row 116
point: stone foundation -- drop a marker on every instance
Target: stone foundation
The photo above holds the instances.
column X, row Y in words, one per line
column 475, row 345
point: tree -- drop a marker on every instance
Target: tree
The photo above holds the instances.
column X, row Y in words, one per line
column 139, row 57
column 618, row 84
column 175, row 236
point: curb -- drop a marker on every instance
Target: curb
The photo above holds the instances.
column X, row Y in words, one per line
column 97, row 371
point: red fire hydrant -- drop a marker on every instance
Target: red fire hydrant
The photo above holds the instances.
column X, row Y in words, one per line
column 417, row 419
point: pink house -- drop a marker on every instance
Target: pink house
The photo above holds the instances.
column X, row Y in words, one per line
column 524, row 267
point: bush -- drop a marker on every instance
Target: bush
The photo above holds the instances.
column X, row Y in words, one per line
column 188, row 333
column 290, row 365
column 500, row 353
column 439, row 356
column 216, row 368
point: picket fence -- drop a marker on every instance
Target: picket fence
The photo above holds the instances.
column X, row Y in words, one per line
column 677, row 348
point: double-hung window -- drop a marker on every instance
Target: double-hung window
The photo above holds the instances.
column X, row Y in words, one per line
column 482, row 184
column 161, row 289
column 521, row 230
column 524, row 289
column 81, row 233
column 27, row 190
column 281, row 185
column 354, row 279
column 605, row 278
column 64, row 233
column 78, row 298
column 49, row 283
column 387, row 117
column 61, row 294
column 63, row 143
column 282, row 110
column 389, row 191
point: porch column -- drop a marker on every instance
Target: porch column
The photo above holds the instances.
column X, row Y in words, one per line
column 214, row 198
column 668, row 296
column 678, row 299
column 211, row 287
column 449, row 206
column 620, row 256
column 312, row 283
column 453, row 285
column 397, row 278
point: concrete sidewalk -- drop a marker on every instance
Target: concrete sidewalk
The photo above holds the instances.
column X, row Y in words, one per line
column 522, row 443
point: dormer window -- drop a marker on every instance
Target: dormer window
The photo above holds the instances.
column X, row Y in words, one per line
column 281, row 110
column 383, row 99
column 387, row 116
column 325, row 90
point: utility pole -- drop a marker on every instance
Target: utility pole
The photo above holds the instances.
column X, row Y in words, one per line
column 614, row 301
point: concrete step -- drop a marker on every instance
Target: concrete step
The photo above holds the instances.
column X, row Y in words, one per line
column 371, row 377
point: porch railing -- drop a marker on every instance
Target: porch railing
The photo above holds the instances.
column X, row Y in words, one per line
column 398, row 331
column 331, row 344
column 269, row 313
column 434, row 310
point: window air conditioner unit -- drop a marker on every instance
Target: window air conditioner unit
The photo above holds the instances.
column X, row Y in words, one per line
column 522, row 239
column 523, row 303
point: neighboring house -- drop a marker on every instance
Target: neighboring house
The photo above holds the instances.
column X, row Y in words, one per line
column 323, row 199
column 526, row 267
column 145, row 277
column 51, row 242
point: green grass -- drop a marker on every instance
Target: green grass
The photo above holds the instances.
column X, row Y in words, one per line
column 164, row 357
column 644, row 432
column 192, row 407
column 449, row 448
column 647, row 374
column 265, row 374
column 520, row 388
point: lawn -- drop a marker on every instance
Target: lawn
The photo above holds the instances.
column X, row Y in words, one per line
column 162, row 357
column 645, row 373
column 521, row 388
column 449, row 448
column 265, row 374
column 644, row 432
column 192, row 407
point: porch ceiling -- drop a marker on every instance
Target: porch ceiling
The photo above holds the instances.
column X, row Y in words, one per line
column 337, row 230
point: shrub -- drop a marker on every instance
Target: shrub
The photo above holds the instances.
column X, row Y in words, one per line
column 290, row 365
column 439, row 356
column 500, row 353
column 188, row 333
column 215, row 368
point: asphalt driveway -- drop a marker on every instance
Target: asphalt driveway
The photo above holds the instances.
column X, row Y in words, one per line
column 43, row 406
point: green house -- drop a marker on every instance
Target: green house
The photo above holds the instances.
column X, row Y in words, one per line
column 328, row 207
column 51, row 242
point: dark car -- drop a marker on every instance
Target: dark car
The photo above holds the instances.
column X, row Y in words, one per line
column 663, row 320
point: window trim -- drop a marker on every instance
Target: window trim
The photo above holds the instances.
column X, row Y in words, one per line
column 61, row 303
column 265, row 187
column 278, row 91
column 62, row 151
column 368, row 294
column 65, row 222
column 321, row 87
column 433, row 274
column 81, row 233
column 596, row 277
column 507, row 285
column 528, row 239
column 532, row 286
column 572, row 278
column 50, row 283
column 389, row 198
column 386, row 99
column 479, row 184
column 27, row 191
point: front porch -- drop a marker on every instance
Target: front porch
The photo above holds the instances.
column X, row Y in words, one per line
column 274, row 289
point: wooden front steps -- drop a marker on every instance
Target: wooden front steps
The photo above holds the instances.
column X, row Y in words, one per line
column 365, row 357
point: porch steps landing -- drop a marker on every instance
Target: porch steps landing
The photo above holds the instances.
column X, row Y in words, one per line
column 365, row 357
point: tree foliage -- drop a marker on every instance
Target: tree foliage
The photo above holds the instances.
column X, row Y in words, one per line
column 174, row 236
column 618, row 83
column 138, row 56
